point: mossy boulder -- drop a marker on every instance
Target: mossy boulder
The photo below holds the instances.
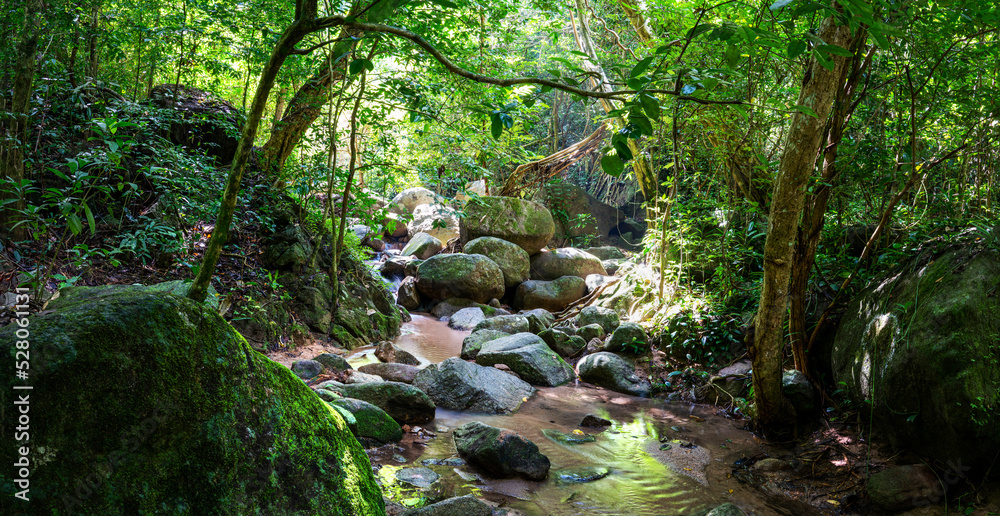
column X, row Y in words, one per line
column 288, row 249
column 607, row 318
column 553, row 296
column 525, row 223
column 612, row 372
column 504, row 323
column 513, row 261
column 423, row 246
column 474, row 342
column 458, row 385
column 501, row 452
column 470, row 276
column 373, row 427
column 923, row 346
column 565, row 261
column 148, row 403
column 180, row 288
column 629, row 337
column 404, row 403
column 527, row 355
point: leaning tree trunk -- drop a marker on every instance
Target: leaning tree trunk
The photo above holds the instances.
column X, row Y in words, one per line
column 775, row 415
column 307, row 103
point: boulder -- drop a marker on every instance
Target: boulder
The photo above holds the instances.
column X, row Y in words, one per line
column 628, row 337
column 394, row 267
column 594, row 421
column 799, row 391
column 180, row 288
column 726, row 509
column 553, row 296
column 391, row 372
column 307, row 369
column 606, row 318
column 528, row 356
column 288, row 249
column 372, row 426
column 404, row 403
column 582, row 214
column 474, row 342
column 591, row 332
column 411, row 267
column 472, row 276
column 332, row 362
column 525, row 223
column 538, row 319
column 467, row 319
column 458, row 385
column 505, row 323
column 437, row 220
column 904, row 487
column 467, row 505
column 608, row 252
column 452, row 305
column 386, row 351
column 513, row 261
column 500, row 452
column 423, row 246
column 133, row 389
column 407, row 295
column 410, row 198
column 612, row 372
column 565, row 261
column 355, row 376
column 922, row 346
column 560, row 342
column 611, row 266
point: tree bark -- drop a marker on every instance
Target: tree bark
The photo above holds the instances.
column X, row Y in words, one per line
column 775, row 415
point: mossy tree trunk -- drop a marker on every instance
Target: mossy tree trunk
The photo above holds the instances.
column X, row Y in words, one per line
column 775, row 414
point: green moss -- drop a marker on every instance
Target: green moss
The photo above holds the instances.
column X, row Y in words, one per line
column 163, row 408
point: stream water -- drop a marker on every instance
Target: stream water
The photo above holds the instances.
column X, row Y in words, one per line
column 660, row 457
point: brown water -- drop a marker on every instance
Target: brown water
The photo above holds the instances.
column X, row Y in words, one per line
column 643, row 480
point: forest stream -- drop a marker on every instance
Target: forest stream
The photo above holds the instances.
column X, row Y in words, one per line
column 659, row 457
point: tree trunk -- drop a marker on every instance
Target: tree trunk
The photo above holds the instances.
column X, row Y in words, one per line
column 15, row 134
column 775, row 415
column 294, row 34
column 307, row 103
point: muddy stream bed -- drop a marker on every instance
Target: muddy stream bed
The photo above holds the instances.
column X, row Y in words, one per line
column 659, row 457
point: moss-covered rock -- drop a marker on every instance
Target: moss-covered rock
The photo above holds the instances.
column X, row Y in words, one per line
column 148, row 403
column 527, row 355
column 553, row 296
column 404, row 403
column 513, row 261
column 608, row 319
column 372, row 427
column 924, row 347
column 565, row 261
column 525, row 223
column 470, row 276
column 612, row 372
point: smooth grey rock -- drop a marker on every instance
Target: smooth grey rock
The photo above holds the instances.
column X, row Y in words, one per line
column 538, row 319
column 528, row 356
column 553, row 296
column 307, row 369
column 458, row 385
column 474, row 342
column 466, row 319
column 333, row 362
column 393, row 372
column 608, row 319
column 565, row 261
column 505, row 323
column 500, row 452
column 613, row 372
column 404, row 403
column 513, row 261
column 423, row 246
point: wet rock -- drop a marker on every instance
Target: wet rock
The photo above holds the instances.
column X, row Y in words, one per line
column 935, row 320
column 372, row 426
column 612, row 372
column 605, row 317
column 453, row 462
column 904, row 487
column 505, row 323
column 386, row 351
column 410, row 198
column 629, row 337
column 407, row 296
column 596, row 281
column 394, row 267
column 354, row 377
column 450, row 306
column 726, row 509
column 607, row 252
column 333, row 362
column 500, row 452
column 565, row 261
column 436, row 220
column 770, row 465
column 474, row 342
column 472, row 276
column 799, row 391
column 560, row 342
column 563, row 438
column 418, row 477
column 582, row 474
column 404, row 403
column 307, row 369
column 741, row 368
column 411, row 267
column 423, row 246
column 525, row 223
column 538, row 319
column 591, row 420
column 527, row 355
column 553, row 296
column 513, row 260
column 393, row 372
column 591, row 332
column 467, row 505
column 458, row 385
column 466, row 319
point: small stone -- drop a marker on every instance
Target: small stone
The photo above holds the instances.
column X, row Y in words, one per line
column 419, row 477
column 307, row 369
column 592, row 420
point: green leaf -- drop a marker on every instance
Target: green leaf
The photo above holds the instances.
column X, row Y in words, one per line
column 795, row 48
column 620, row 143
column 805, row 110
column 528, row 102
column 506, row 120
column 642, row 123
column 74, row 223
column 732, row 56
column 444, row 3
column 835, row 50
column 742, row 111
column 356, row 66
column 635, row 84
column 641, row 67
column 779, row 4
column 699, row 30
column 612, row 165
column 554, row 71
column 496, row 126
column 90, row 219
column 650, row 106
